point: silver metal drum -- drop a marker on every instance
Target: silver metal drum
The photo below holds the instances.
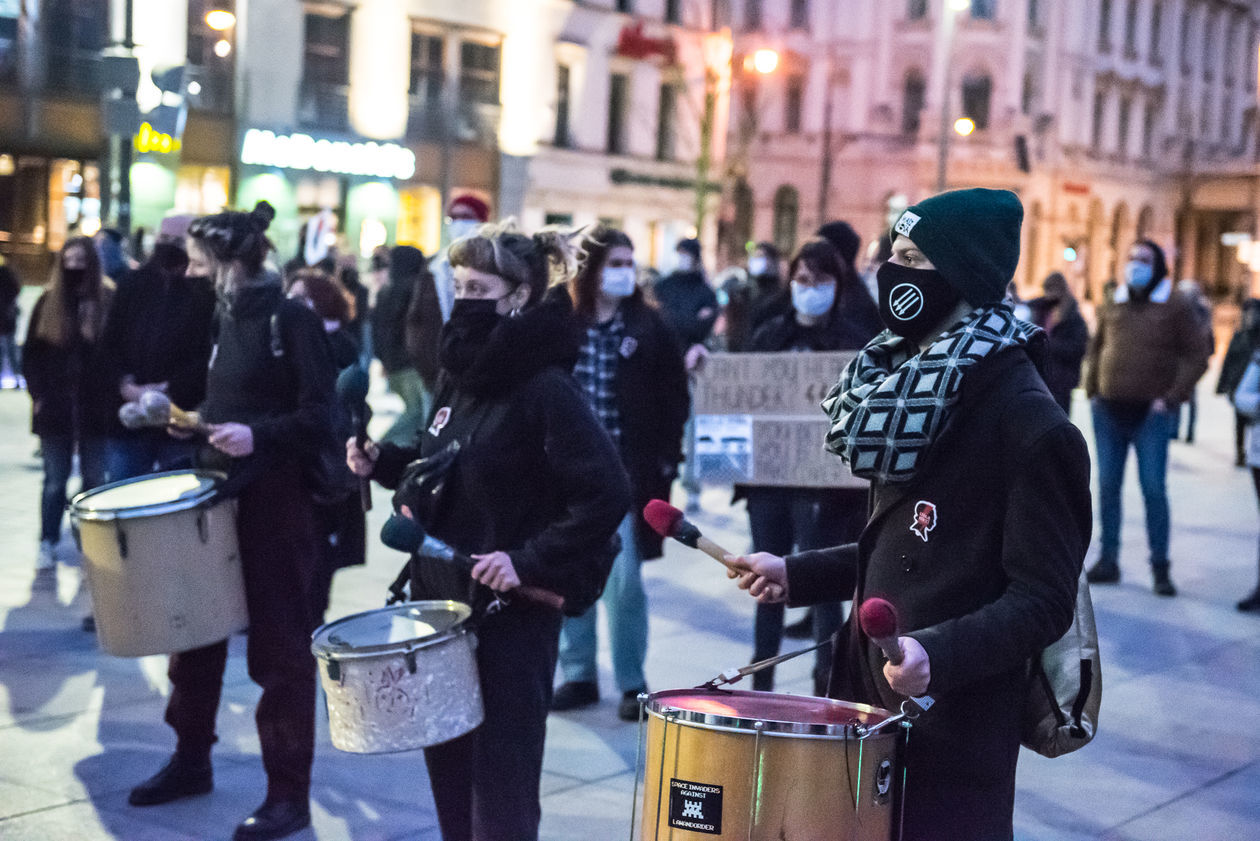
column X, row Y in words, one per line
column 399, row 678
column 162, row 562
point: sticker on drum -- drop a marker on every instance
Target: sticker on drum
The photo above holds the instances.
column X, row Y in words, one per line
column 695, row 806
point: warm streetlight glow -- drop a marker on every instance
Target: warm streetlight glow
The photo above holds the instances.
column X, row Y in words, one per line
column 222, row 48
column 765, row 61
column 964, row 126
column 220, row 19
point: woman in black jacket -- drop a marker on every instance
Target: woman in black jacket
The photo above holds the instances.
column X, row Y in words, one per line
column 1067, row 337
column 980, row 517
column 782, row 519
column 534, row 493
column 632, row 371
column 61, row 363
column 269, row 400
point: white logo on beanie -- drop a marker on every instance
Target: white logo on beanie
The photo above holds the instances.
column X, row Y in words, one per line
column 906, row 223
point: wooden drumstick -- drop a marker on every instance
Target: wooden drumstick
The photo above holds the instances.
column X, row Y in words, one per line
column 161, row 411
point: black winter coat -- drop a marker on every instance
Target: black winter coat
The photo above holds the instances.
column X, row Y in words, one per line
column 67, row 389
column 536, row 477
column 389, row 324
column 1065, row 351
column 993, row 584
column 277, row 380
column 159, row 330
column 689, row 305
column 653, row 402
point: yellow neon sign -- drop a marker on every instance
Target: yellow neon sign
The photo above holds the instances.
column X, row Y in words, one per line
column 149, row 140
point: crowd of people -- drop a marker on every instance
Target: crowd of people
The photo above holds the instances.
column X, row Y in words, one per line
column 548, row 377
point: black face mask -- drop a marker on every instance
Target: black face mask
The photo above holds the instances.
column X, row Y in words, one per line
column 74, row 278
column 466, row 332
column 912, row 302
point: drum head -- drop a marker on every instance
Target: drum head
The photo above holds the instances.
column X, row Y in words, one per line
column 773, row 712
column 400, row 627
column 147, row 496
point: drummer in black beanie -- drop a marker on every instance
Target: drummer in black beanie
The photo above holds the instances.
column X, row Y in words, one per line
column 269, row 403
column 980, row 511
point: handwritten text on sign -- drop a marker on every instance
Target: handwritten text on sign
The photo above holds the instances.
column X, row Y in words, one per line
column 758, row 421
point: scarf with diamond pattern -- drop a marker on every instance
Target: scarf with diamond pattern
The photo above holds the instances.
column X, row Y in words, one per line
column 891, row 402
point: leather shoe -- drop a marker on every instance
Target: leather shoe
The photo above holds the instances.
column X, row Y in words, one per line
column 1103, row 572
column 1163, row 584
column 574, row 695
column 274, row 819
column 1251, row 604
column 628, row 709
column 178, row 778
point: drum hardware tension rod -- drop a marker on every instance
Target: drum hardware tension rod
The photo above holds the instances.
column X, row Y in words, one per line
column 733, row 675
column 640, row 761
column 911, row 708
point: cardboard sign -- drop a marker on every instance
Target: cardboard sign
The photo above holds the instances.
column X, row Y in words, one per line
column 758, row 422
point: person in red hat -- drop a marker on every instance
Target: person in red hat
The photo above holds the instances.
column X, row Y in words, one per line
column 465, row 214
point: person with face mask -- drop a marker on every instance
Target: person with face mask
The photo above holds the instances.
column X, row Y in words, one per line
column 535, row 494
column 157, row 337
column 771, row 298
column 268, row 409
column 980, row 512
column 786, row 519
column 70, row 411
column 1242, row 346
column 465, row 215
column 688, row 304
column 632, row 372
column 1147, row 353
column 1067, row 336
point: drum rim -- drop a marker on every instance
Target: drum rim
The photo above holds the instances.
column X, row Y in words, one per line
column 460, row 628
column 660, row 708
column 202, row 499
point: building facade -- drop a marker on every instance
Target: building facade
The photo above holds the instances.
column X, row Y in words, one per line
column 1112, row 120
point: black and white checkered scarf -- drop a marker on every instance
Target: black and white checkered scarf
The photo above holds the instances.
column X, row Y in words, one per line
column 891, row 402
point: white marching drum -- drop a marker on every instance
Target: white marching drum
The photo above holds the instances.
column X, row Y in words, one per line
column 162, row 562
column 399, row 678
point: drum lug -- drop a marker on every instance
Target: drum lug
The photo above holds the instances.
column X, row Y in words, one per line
column 410, row 659
column 122, row 538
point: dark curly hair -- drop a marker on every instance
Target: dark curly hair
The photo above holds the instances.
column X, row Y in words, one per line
column 517, row 258
column 236, row 237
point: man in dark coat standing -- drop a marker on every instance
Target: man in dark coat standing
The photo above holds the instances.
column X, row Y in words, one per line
column 980, row 512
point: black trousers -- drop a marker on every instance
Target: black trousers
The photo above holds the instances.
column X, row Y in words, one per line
column 278, row 546
column 486, row 783
column 786, row 520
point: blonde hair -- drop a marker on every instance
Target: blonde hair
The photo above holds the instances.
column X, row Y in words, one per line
column 537, row 261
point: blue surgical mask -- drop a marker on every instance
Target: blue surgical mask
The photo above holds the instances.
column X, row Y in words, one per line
column 813, row 301
column 758, row 265
column 1138, row 275
column 617, row 281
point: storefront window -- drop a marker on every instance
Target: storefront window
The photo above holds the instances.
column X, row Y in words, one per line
column 420, row 217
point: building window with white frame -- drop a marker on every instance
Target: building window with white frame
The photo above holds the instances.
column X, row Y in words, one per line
column 562, row 138
column 618, row 103
column 325, row 70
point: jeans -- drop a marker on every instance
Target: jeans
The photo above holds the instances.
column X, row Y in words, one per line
column 783, row 520
column 1150, row 441
column 626, row 604
column 58, row 453
column 10, row 358
column 128, row 456
column 408, row 385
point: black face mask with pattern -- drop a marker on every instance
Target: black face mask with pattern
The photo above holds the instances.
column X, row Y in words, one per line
column 913, row 302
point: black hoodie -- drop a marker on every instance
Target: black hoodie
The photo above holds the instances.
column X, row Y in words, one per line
column 536, row 477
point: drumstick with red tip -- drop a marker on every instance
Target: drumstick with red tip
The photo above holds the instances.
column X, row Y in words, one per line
column 878, row 619
column 668, row 521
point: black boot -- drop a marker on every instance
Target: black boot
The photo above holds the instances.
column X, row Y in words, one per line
column 274, row 819
column 180, row 777
column 1163, row 584
column 1251, row 604
column 574, row 695
column 1106, row 571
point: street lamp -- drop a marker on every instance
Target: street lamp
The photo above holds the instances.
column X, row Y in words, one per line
column 948, row 23
column 964, row 126
column 220, row 19
column 765, row 61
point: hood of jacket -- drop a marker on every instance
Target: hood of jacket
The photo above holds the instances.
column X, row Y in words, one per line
column 519, row 347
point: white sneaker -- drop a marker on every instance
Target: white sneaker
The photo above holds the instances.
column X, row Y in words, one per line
column 47, row 558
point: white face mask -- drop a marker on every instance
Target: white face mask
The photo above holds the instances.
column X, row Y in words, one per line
column 460, row 228
column 813, row 301
column 617, row 281
column 758, row 265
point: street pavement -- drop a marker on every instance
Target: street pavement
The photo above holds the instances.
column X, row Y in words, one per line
column 1176, row 756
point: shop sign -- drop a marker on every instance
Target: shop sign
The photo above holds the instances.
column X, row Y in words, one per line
column 148, row 139
column 1076, row 188
column 633, row 42
column 301, row 151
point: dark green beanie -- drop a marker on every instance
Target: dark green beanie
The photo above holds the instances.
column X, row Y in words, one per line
column 971, row 236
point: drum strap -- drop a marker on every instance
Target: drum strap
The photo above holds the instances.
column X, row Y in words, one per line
column 732, row 676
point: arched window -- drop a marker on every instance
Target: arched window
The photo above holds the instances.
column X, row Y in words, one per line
column 913, row 94
column 977, row 91
column 787, row 204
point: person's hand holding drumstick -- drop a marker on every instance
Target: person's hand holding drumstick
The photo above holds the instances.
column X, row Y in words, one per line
column 767, row 582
